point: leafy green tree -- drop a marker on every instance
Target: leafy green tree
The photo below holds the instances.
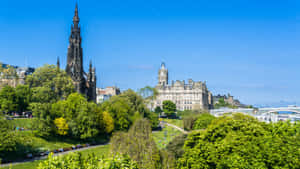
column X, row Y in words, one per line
column 79, row 114
column 176, row 145
column 240, row 141
column 49, row 84
column 138, row 144
column 119, row 109
column 8, row 99
column 203, row 121
column 169, row 108
column 106, row 122
column 61, row 126
column 8, row 141
column 24, row 95
column 149, row 94
column 158, row 110
column 126, row 108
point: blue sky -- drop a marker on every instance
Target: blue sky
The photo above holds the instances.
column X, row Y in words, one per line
column 249, row 48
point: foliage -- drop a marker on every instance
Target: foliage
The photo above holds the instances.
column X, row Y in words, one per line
column 138, row 144
column 77, row 161
column 8, row 73
column 79, row 114
column 176, row 145
column 241, row 141
column 158, row 110
column 8, row 141
column 15, row 99
column 61, row 126
column 190, row 117
column 169, row 108
column 108, row 122
column 203, row 121
column 100, row 151
column 8, row 99
column 167, row 160
column 126, row 108
column 149, row 94
column 189, row 121
column 166, row 135
column 221, row 103
column 24, row 96
column 49, row 84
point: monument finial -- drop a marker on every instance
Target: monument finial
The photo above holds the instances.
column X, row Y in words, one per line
column 57, row 63
column 76, row 17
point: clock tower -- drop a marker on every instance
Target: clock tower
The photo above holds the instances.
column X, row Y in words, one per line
column 163, row 75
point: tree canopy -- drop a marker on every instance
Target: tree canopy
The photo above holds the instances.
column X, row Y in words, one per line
column 241, row 141
column 169, row 108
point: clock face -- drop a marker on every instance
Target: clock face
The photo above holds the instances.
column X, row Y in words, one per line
column 161, row 73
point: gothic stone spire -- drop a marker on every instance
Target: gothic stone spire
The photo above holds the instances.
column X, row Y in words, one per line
column 75, row 59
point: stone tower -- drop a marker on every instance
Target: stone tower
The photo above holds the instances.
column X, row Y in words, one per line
column 84, row 83
column 74, row 58
column 163, row 75
column 91, row 79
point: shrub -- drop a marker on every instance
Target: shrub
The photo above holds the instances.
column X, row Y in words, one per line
column 241, row 141
column 203, row 121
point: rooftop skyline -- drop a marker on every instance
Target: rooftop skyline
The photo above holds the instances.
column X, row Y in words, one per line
column 249, row 49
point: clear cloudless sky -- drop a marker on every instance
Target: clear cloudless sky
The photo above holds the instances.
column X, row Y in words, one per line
column 249, row 48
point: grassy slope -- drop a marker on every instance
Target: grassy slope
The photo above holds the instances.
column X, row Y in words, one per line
column 176, row 122
column 99, row 151
column 21, row 123
column 162, row 138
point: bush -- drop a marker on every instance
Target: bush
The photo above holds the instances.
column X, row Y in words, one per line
column 176, row 145
column 203, row 121
column 241, row 141
column 138, row 144
column 77, row 161
column 188, row 122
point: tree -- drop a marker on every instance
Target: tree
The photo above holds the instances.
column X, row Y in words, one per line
column 49, row 84
column 240, row 141
column 8, row 140
column 169, row 108
column 158, row 110
column 203, row 121
column 108, row 122
column 176, row 146
column 61, row 126
column 24, row 95
column 138, row 144
column 79, row 114
column 149, row 94
column 119, row 109
column 8, row 99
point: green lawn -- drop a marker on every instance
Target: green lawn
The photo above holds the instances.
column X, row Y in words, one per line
column 99, row 151
column 162, row 138
column 176, row 122
column 21, row 123
column 46, row 144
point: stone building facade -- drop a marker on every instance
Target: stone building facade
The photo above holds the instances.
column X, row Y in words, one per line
column 104, row 94
column 85, row 83
column 15, row 77
column 229, row 99
column 187, row 96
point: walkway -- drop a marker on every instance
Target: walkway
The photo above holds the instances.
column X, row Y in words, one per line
column 175, row 127
column 44, row 157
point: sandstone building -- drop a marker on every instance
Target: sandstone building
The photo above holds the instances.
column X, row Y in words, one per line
column 187, row 96
column 13, row 75
column 85, row 83
column 104, row 94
